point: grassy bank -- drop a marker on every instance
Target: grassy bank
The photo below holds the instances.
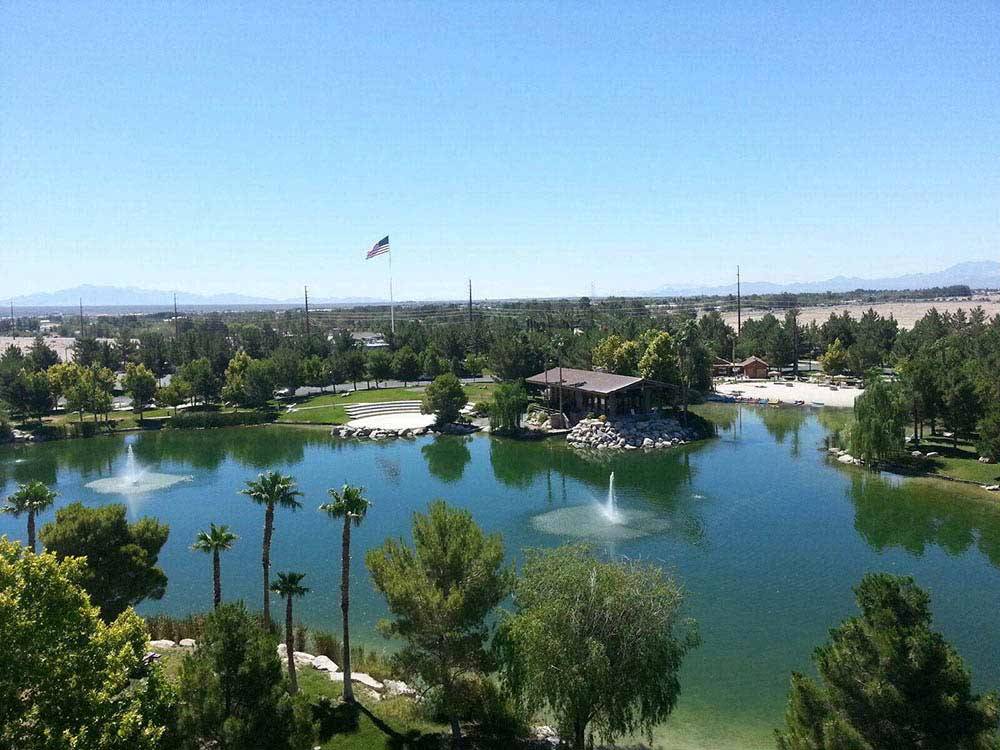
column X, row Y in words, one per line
column 384, row 724
column 328, row 408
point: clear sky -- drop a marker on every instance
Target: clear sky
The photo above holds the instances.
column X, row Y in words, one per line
column 534, row 147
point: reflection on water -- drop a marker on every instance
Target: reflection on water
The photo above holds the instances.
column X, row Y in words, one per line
column 447, row 456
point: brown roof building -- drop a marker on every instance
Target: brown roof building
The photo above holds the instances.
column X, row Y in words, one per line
column 753, row 367
column 599, row 392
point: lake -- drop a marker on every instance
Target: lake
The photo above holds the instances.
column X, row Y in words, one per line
column 765, row 533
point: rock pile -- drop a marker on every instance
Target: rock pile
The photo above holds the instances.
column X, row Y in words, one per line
column 628, row 434
column 377, row 690
column 378, row 433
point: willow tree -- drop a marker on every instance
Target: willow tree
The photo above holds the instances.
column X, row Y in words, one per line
column 880, row 421
column 599, row 644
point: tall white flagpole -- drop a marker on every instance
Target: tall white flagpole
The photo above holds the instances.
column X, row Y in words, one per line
column 392, row 304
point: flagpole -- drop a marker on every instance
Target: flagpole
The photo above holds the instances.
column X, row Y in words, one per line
column 392, row 304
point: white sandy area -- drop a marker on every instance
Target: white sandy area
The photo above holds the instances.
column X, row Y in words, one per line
column 405, row 421
column 808, row 392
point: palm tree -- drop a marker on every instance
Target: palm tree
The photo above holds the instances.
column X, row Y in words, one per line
column 350, row 504
column 30, row 498
column 289, row 585
column 271, row 490
column 217, row 539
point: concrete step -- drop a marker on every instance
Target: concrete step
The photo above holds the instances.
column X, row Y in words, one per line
column 384, row 407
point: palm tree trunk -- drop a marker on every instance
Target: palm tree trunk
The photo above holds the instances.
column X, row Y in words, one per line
column 456, row 733
column 216, row 578
column 293, row 686
column 345, row 604
column 266, row 563
column 31, row 530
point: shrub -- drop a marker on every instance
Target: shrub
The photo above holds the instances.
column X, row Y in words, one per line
column 175, row 628
column 327, row 644
column 212, row 419
column 445, row 398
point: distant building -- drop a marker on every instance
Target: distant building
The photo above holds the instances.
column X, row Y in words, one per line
column 753, row 368
column 722, row 368
column 370, row 340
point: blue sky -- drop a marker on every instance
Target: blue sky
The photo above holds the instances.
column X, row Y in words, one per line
column 534, row 147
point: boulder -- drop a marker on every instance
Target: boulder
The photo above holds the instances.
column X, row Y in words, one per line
column 932, row 454
column 398, row 687
column 302, row 659
column 325, row 664
column 916, row 454
column 186, row 643
column 359, row 677
column 846, row 458
column 163, row 643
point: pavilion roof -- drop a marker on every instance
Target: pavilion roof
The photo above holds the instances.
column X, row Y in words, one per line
column 589, row 381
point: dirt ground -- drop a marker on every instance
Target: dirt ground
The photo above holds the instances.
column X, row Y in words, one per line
column 906, row 313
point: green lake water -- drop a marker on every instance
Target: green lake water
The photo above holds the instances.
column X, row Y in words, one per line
column 765, row 533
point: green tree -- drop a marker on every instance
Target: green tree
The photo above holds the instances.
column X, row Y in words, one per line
column 41, row 356
column 406, row 365
column 354, row 363
column 30, row 499
column 231, row 691
column 350, row 505
column 315, row 372
column 444, row 398
column 603, row 354
column 835, row 360
column 29, row 394
column 599, row 644
column 510, row 401
column 68, row 681
column 659, row 361
column 960, row 403
column 880, row 421
column 140, row 384
column 234, row 381
column 121, row 568
column 289, row 586
column 173, row 395
column 989, row 434
column 62, row 377
column 286, row 364
column 379, row 366
column 440, row 593
column 887, row 681
column 215, row 541
column 200, row 380
column 272, row 490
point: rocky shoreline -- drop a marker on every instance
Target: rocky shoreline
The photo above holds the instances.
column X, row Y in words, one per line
column 630, row 433
column 386, row 433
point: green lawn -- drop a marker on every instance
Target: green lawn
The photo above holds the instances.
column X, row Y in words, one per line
column 958, row 462
column 328, row 408
column 386, row 724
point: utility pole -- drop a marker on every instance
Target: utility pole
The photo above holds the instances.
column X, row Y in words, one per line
column 470, row 301
column 177, row 330
column 739, row 308
column 13, row 320
column 307, row 313
column 81, row 317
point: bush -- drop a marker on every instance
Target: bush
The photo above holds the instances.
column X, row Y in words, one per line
column 445, row 398
column 175, row 628
column 328, row 644
column 212, row 419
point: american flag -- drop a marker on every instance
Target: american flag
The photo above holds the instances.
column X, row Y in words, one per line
column 382, row 246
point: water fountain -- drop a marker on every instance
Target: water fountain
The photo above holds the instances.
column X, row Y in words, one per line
column 602, row 521
column 610, row 507
column 135, row 480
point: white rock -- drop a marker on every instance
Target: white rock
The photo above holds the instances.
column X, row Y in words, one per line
column 163, row 643
column 916, row 454
column 398, row 687
column 846, row 458
column 359, row 677
column 992, row 487
column 302, row 659
column 187, row 642
column 325, row 664
column 932, row 454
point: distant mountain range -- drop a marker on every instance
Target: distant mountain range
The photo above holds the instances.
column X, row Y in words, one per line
column 117, row 296
column 975, row 274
